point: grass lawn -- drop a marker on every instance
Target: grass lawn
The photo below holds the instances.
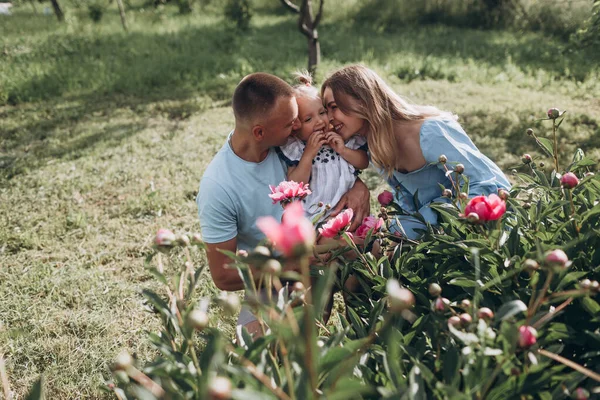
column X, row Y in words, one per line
column 104, row 137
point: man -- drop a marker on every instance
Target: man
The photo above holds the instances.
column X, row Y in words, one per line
column 235, row 186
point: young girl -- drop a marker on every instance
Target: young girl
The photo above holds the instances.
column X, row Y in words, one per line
column 405, row 142
column 329, row 161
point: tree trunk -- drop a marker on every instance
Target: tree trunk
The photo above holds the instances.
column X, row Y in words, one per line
column 57, row 10
column 314, row 53
column 122, row 12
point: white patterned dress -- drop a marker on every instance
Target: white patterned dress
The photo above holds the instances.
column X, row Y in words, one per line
column 331, row 176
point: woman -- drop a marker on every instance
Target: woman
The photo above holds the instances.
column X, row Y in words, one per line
column 405, row 143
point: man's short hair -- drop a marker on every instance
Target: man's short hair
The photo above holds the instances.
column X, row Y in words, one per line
column 257, row 94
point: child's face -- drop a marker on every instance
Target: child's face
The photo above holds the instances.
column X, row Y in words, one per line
column 312, row 116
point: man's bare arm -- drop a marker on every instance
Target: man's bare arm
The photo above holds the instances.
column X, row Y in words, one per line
column 225, row 278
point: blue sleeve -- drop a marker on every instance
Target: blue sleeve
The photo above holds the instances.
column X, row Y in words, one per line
column 448, row 137
column 218, row 218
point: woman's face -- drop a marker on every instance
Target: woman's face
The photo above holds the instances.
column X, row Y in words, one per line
column 312, row 116
column 345, row 125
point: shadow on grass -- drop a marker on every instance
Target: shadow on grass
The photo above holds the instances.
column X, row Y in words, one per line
column 187, row 70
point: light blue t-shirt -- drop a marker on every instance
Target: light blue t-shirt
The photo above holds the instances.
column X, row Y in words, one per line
column 234, row 193
column 447, row 137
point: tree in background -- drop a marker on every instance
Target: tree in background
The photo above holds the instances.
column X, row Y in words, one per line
column 57, row 10
column 307, row 24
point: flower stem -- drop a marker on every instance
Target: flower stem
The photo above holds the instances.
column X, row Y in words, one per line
column 309, row 327
column 555, row 145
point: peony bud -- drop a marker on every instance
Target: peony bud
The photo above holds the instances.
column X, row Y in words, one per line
column 219, row 388
column 580, row 394
column 123, row 361
column 440, row 304
column 454, row 321
column 527, row 205
column 526, row 158
column 529, row 132
column 463, row 196
column 531, row 265
column 595, row 286
column 459, row 168
column 485, row 313
column 465, row 304
column 503, row 194
column 542, row 165
column 164, row 238
column 242, row 253
column 399, row 298
column 442, row 159
column 385, row 198
column 196, row 239
column 569, row 180
column 435, row 290
column 587, row 174
column 527, row 336
column 465, row 319
column 473, row 218
column 553, row 113
column 261, row 250
column 183, row 240
column 585, row 284
column 272, row 267
column 447, row 193
column 557, row 258
column 229, row 301
column 298, row 287
column 198, row 319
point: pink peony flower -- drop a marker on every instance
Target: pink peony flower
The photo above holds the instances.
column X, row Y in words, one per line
column 488, row 208
column 569, row 180
column 164, row 237
column 335, row 226
column 527, row 336
column 294, row 235
column 369, row 223
column 288, row 191
column 557, row 258
column 385, row 198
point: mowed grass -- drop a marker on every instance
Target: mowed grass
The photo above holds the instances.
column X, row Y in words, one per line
column 104, row 137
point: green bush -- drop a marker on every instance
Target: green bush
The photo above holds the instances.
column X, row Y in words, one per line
column 496, row 309
column 239, row 12
column 96, row 12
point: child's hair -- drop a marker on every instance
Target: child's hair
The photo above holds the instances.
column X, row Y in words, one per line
column 304, row 87
column 380, row 106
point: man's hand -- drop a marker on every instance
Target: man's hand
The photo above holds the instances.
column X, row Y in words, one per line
column 357, row 198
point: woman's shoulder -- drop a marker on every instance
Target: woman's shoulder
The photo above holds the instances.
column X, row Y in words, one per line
column 442, row 134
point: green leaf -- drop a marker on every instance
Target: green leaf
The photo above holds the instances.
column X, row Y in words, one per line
column 451, row 366
column 546, row 145
column 463, row 282
column 37, row 390
column 416, row 385
column 509, row 309
column 591, row 306
column 160, row 305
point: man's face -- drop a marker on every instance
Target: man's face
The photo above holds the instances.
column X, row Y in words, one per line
column 282, row 119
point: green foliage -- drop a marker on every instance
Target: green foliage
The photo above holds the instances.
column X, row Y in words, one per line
column 96, row 12
column 239, row 12
column 443, row 346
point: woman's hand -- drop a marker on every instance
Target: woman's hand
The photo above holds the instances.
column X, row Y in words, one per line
column 314, row 144
column 336, row 142
column 357, row 198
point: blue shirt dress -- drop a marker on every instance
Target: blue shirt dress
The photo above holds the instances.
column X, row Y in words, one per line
column 437, row 137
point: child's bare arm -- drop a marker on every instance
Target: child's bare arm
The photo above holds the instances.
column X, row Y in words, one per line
column 357, row 158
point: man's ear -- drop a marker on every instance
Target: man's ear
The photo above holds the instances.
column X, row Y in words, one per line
column 258, row 131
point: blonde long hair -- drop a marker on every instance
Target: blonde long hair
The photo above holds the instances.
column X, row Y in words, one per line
column 380, row 106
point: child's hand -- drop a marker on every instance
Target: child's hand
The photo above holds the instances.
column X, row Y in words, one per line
column 314, row 144
column 336, row 142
